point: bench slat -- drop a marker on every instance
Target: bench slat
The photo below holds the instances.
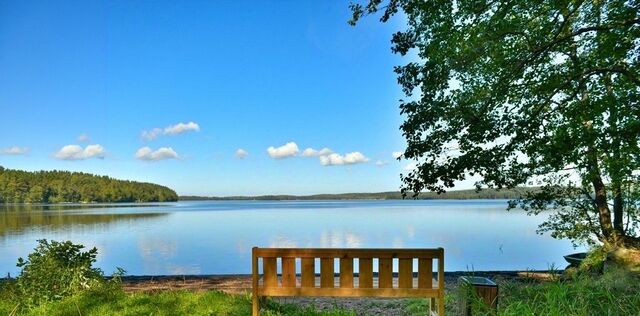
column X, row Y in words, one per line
column 425, row 273
column 405, row 273
column 340, row 292
column 326, row 273
column 385, row 288
column 385, row 273
column 270, row 276
column 347, row 253
column 365, row 273
column 346, row 273
column 289, row 272
column 308, row 272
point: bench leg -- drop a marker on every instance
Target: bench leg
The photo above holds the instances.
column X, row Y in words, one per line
column 256, row 306
column 441, row 306
column 432, row 306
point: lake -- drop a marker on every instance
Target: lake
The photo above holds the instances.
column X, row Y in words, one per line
column 215, row 237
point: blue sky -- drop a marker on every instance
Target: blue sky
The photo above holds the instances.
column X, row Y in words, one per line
column 203, row 79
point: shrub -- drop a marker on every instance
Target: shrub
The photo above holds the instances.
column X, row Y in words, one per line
column 56, row 270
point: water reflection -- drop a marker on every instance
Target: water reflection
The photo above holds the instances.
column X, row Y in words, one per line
column 216, row 237
column 340, row 239
column 15, row 220
column 282, row 242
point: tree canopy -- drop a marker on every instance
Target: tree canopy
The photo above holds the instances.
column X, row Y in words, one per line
column 519, row 92
column 17, row 186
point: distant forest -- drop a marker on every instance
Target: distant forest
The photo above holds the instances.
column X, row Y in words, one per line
column 17, row 186
column 451, row 195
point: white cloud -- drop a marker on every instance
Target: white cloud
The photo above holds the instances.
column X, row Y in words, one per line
column 14, row 150
column 289, row 149
column 75, row 152
column 170, row 130
column 381, row 163
column 146, row 153
column 83, row 137
column 241, row 153
column 310, row 152
column 181, row 128
column 396, row 154
column 348, row 159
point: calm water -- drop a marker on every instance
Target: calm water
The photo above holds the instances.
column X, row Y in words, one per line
column 216, row 237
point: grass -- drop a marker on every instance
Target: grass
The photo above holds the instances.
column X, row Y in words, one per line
column 109, row 300
column 611, row 294
column 615, row 293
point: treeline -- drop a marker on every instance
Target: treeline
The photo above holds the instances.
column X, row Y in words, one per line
column 17, row 186
column 450, row 195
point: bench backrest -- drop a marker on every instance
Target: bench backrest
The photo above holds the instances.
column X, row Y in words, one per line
column 288, row 284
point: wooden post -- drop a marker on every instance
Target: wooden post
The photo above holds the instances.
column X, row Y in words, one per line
column 254, row 299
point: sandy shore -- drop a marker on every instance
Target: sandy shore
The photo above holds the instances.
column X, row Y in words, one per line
column 241, row 283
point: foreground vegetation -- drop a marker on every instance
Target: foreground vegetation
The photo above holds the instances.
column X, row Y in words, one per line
column 611, row 294
column 58, row 279
column 17, row 186
column 605, row 295
column 113, row 301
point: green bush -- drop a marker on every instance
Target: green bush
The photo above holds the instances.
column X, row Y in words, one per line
column 56, row 270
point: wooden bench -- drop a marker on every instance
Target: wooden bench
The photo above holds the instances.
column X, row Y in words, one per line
column 363, row 284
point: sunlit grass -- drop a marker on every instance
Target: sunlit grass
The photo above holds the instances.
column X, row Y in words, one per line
column 110, row 301
column 615, row 293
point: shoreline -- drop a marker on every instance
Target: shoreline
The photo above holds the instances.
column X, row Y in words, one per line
column 447, row 274
column 157, row 203
column 241, row 283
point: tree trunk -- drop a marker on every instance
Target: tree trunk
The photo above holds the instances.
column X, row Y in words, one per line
column 604, row 214
column 617, row 210
column 615, row 174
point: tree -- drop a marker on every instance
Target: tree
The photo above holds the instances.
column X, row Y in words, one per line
column 36, row 195
column 521, row 93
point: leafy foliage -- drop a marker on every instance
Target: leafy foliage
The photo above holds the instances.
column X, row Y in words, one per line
column 520, row 93
column 56, row 270
column 18, row 186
